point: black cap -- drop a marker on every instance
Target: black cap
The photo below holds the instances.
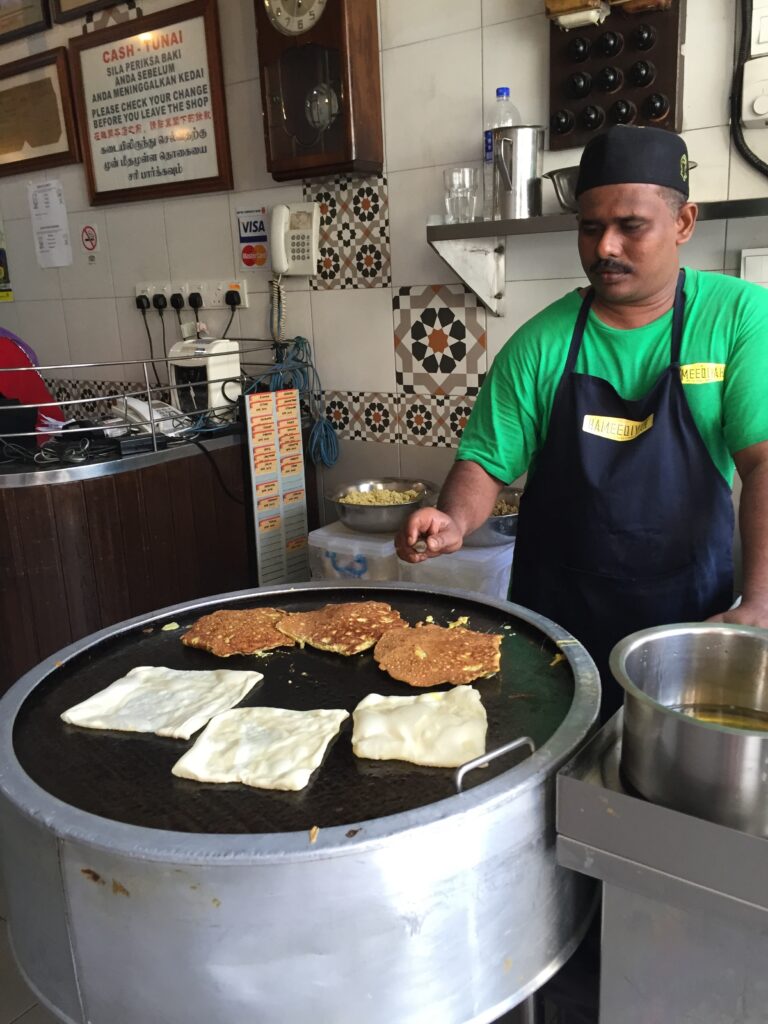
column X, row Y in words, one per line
column 631, row 155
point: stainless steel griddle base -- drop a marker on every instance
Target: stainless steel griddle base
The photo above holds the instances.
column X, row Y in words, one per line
column 685, row 901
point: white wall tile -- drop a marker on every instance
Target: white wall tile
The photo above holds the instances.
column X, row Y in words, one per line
column 199, row 236
column 495, row 11
column 744, row 233
column 72, row 178
column 246, row 136
column 94, row 337
column 522, row 300
column 137, row 245
column 30, row 281
column 254, row 321
column 540, row 257
column 432, row 102
column 413, row 196
column 709, row 42
column 746, row 182
column 17, row 998
column 84, row 279
column 237, row 27
column 516, row 54
column 9, row 319
column 14, row 204
column 705, row 250
column 709, row 148
column 41, row 325
column 354, row 339
column 406, row 21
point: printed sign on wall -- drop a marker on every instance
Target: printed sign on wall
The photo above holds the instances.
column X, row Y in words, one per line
column 254, row 240
column 150, row 102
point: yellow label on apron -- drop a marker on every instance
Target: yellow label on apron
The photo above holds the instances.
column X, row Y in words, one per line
column 615, row 429
column 702, row 373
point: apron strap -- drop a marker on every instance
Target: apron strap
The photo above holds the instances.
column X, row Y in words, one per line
column 677, row 319
column 578, row 334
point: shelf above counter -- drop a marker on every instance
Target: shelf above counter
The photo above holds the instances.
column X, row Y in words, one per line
column 475, row 250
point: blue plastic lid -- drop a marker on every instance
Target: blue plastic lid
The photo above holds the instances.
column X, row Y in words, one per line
column 502, row 93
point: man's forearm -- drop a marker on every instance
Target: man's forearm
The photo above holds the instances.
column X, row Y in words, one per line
column 468, row 495
column 753, row 524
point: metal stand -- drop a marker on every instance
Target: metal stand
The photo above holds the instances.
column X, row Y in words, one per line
column 685, row 901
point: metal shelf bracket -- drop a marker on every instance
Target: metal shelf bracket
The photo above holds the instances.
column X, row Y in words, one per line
column 479, row 262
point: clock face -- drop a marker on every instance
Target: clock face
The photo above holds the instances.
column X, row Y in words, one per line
column 292, row 17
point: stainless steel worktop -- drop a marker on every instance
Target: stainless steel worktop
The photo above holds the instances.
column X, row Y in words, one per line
column 26, row 474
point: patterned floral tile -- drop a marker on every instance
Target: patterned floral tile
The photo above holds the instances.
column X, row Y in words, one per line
column 354, row 232
column 380, row 416
column 440, row 340
column 424, row 420
column 458, row 408
column 93, row 396
column 342, row 410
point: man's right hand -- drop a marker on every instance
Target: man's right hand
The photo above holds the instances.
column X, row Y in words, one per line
column 432, row 527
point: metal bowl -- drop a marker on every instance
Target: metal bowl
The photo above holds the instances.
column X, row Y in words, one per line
column 564, row 181
column 496, row 530
column 380, row 518
column 696, row 720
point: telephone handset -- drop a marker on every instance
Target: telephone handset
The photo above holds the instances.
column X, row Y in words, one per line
column 168, row 420
column 295, row 233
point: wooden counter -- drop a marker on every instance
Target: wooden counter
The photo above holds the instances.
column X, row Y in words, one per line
column 85, row 547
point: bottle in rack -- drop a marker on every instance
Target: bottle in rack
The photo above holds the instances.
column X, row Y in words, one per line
column 503, row 115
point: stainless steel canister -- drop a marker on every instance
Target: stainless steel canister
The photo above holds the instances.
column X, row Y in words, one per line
column 517, row 164
column 695, row 734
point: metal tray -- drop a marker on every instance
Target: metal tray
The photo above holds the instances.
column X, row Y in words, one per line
column 127, row 777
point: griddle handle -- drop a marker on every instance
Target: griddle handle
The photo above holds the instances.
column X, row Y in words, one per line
column 458, row 775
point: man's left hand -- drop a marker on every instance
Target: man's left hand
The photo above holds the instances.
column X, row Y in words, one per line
column 745, row 614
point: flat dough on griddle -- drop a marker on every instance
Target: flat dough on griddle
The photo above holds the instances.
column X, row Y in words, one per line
column 238, row 631
column 440, row 730
column 347, row 628
column 428, row 655
column 267, row 748
column 165, row 701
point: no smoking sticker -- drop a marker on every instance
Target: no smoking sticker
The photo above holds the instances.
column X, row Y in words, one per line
column 90, row 238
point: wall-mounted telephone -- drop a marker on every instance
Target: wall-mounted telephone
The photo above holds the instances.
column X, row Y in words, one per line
column 167, row 419
column 295, row 233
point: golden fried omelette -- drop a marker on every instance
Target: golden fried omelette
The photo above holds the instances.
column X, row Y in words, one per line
column 347, row 628
column 238, row 631
column 426, row 655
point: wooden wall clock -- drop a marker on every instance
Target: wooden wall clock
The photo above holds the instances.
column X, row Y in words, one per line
column 320, row 86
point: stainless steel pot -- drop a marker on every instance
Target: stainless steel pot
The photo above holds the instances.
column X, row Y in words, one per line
column 518, row 155
column 696, row 720
column 452, row 911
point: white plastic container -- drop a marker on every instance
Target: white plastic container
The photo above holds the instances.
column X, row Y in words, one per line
column 484, row 570
column 338, row 553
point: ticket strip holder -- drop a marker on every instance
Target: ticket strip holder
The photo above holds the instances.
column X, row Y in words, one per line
column 278, row 486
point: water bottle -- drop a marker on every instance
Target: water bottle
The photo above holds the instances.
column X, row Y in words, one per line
column 503, row 115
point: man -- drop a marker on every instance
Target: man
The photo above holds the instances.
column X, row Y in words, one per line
column 628, row 403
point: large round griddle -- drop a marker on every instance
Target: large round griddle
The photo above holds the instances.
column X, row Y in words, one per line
column 127, row 776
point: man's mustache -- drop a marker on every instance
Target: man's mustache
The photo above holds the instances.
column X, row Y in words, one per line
column 609, row 267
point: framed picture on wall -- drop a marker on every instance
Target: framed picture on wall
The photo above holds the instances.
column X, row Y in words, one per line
column 149, row 97
column 22, row 18
column 69, row 10
column 37, row 124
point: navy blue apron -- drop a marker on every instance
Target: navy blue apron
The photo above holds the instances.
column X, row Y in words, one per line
column 626, row 522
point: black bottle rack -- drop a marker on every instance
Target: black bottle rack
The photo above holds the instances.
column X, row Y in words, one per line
column 629, row 70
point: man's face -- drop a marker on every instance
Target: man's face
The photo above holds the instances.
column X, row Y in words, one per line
column 628, row 239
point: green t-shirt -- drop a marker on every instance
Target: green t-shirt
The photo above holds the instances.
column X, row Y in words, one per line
column 724, row 366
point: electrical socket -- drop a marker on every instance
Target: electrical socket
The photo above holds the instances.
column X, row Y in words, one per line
column 212, row 291
column 152, row 288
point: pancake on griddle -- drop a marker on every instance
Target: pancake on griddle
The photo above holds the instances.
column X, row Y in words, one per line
column 244, row 631
column 347, row 628
column 427, row 655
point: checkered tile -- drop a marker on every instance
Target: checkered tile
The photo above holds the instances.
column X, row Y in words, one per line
column 440, row 340
column 354, row 232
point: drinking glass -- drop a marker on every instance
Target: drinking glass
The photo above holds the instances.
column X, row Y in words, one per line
column 461, row 189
